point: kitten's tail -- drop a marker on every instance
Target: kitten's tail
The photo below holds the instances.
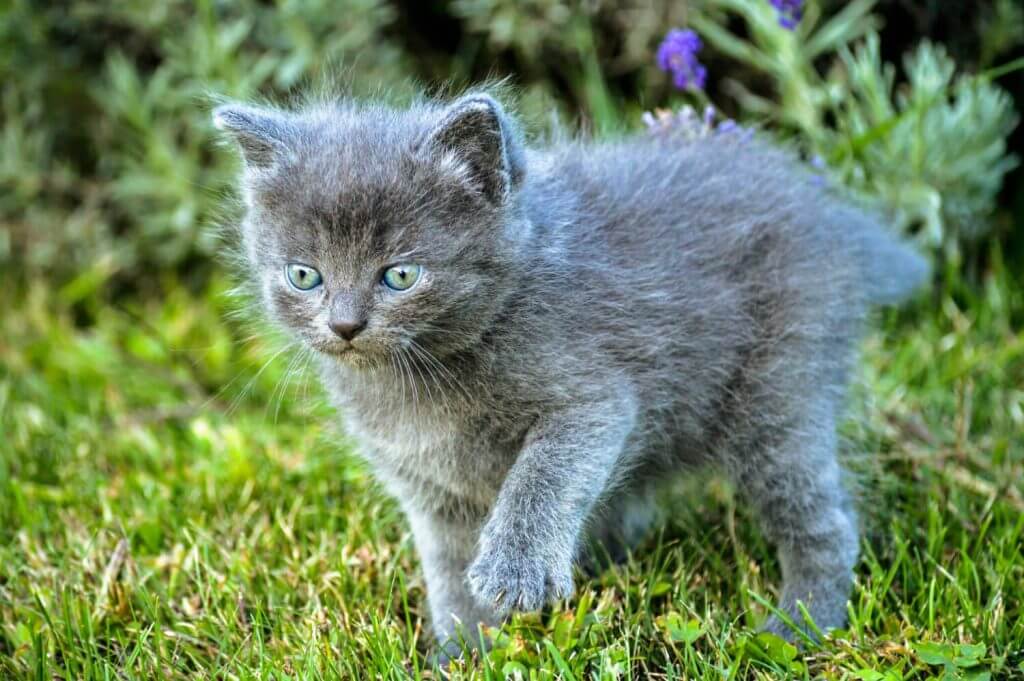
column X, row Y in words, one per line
column 893, row 271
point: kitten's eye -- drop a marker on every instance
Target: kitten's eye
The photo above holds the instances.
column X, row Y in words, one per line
column 302, row 277
column 401, row 277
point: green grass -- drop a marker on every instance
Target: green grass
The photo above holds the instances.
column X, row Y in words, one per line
column 169, row 510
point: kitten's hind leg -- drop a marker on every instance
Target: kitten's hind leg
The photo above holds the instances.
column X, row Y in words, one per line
column 617, row 527
column 796, row 488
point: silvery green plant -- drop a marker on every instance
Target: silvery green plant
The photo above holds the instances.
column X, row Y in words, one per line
column 931, row 150
column 105, row 154
column 528, row 343
column 934, row 152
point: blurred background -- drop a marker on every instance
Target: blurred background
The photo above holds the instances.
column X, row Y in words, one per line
column 161, row 461
column 109, row 170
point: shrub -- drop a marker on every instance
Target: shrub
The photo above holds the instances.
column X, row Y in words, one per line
column 108, row 163
column 109, row 173
column 931, row 150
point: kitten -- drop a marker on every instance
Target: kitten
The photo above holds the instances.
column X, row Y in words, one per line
column 524, row 342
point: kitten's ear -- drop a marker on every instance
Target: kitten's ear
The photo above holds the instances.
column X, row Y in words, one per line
column 261, row 135
column 477, row 131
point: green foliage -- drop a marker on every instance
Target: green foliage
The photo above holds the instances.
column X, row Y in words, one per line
column 802, row 95
column 108, row 157
column 568, row 43
column 108, row 161
column 940, row 162
column 932, row 152
column 552, row 38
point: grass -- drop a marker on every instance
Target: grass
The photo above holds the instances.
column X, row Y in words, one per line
column 171, row 508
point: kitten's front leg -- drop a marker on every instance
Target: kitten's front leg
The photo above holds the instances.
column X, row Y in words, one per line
column 528, row 546
column 446, row 546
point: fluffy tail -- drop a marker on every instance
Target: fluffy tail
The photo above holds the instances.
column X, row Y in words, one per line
column 892, row 269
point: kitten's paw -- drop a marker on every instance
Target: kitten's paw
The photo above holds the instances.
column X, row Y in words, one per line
column 825, row 616
column 505, row 580
column 776, row 625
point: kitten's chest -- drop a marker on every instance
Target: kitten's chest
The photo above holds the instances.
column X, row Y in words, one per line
column 431, row 443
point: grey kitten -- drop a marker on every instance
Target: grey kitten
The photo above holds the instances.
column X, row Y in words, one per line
column 524, row 342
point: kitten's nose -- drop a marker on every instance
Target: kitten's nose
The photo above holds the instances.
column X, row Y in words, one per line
column 347, row 328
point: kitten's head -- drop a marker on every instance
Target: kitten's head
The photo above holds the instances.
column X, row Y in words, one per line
column 373, row 231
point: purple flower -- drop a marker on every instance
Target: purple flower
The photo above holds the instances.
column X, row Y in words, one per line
column 790, row 12
column 677, row 55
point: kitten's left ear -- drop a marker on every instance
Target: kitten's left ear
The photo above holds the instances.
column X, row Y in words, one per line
column 477, row 131
column 261, row 134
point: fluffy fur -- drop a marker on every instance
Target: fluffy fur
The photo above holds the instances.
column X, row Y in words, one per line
column 591, row 319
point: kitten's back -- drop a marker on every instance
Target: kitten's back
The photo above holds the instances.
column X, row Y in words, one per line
column 725, row 203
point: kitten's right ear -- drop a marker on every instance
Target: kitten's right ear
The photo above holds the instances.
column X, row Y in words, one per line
column 476, row 130
column 261, row 135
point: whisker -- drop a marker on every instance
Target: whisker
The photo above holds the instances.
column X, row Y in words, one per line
column 310, row 357
column 241, row 372
column 414, row 360
column 280, row 381
column 412, row 381
column 434, row 375
column 450, row 378
column 293, row 371
column 248, row 386
column 392, row 360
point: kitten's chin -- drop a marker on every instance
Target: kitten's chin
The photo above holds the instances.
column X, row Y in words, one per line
column 351, row 357
column 356, row 360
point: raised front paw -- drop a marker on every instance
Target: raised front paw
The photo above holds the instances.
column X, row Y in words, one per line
column 504, row 578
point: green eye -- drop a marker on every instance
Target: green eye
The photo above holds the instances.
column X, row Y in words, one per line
column 401, row 277
column 302, row 277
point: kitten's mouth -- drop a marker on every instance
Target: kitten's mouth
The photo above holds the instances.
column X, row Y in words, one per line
column 360, row 354
column 350, row 355
column 334, row 349
column 346, row 351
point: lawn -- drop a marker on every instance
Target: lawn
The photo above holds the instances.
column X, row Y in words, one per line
column 175, row 502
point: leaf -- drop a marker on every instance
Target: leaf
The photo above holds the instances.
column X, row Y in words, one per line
column 963, row 662
column 973, row 651
column 23, row 633
column 869, row 675
column 559, row 660
column 563, row 630
column 976, row 676
column 678, row 629
column 777, row 648
column 934, row 653
column 875, row 675
column 849, row 24
column 513, row 669
column 660, row 588
column 688, row 633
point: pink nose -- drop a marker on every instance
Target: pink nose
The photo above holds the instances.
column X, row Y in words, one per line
column 347, row 328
